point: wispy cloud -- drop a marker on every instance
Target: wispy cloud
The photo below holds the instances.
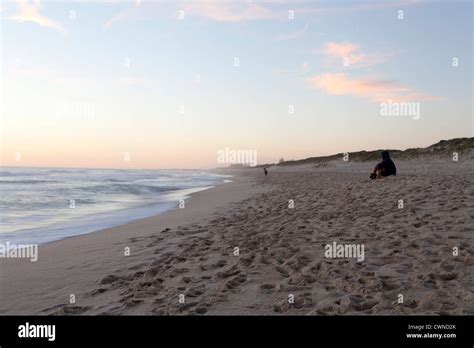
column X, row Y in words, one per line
column 117, row 18
column 374, row 90
column 248, row 10
column 141, row 10
column 29, row 12
column 222, row 11
column 349, row 54
column 210, row 9
column 293, row 35
column 348, row 6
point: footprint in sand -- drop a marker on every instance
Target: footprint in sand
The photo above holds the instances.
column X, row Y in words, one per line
column 235, row 282
column 138, row 266
column 196, row 291
column 212, row 266
column 389, row 284
column 247, row 260
column 109, row 279
column 228, row 273
column 283, row 271
column 132, row 303
column 66, row 309
column 268, row 288
column 200, row 310
column 98, row 291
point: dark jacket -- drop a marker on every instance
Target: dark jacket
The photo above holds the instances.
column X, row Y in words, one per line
column 387, row 164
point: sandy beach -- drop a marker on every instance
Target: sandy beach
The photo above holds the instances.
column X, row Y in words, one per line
column 185, row 261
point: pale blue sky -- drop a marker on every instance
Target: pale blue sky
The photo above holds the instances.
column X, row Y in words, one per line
column 49, row 59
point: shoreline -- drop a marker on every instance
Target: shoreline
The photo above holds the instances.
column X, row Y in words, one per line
column 245, row 249
column 78, row 223
column 166, row 208
column 98, row 252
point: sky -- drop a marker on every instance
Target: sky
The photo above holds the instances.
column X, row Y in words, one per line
column 168, row 84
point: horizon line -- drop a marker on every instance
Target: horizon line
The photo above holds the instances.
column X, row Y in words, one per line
column 228, row 167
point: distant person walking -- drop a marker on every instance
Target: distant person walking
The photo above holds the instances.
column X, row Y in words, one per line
column 384, row 168
column 265, row 171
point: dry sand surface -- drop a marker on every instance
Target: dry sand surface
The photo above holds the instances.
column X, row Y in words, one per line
column 407, row 251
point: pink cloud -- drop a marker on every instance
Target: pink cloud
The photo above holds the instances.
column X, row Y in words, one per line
column 229, row 11
column 29, row 12
column 350, row 53
column 219, row 11
column 375, row 90
column 244, row 10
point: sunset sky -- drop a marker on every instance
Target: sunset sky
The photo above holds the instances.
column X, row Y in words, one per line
column 172, row 83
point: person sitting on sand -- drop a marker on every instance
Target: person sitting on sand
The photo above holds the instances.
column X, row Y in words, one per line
column 265, row 170
column 384, row 168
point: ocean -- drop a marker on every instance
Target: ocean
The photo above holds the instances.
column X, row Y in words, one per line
column 40, row 205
